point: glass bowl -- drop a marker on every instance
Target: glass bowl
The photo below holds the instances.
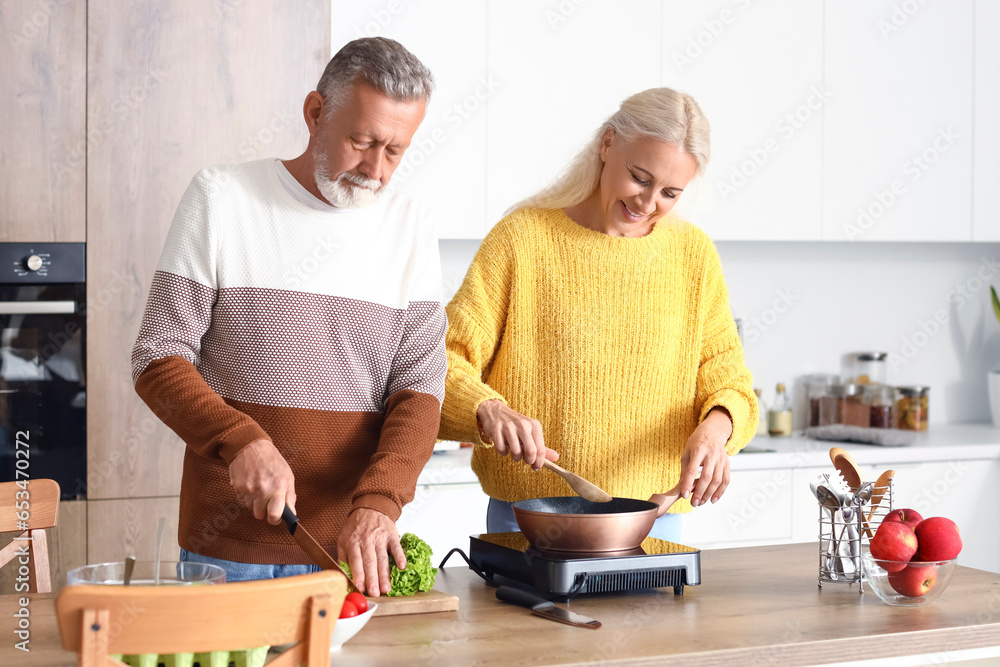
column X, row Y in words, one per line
column 171, row 573
column 345, row 628
column 907, row 584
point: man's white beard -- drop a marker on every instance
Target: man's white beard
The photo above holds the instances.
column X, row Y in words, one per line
column 337, row 191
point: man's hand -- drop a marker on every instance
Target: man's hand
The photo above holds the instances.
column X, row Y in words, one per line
column 513, row 433
column 365, row 543
column 706, row 449
column 262, row 480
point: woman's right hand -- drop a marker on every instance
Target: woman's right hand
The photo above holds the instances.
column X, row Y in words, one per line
column 513, row 433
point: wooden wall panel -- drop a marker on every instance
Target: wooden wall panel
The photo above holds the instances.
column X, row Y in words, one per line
column 127, row 527
column 42, row 121
column 174, row 86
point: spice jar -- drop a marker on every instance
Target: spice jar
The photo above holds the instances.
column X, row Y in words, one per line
column 864, row 368
column 816, row 385
column 881, row 401
column 911, row 407
column 844, row 404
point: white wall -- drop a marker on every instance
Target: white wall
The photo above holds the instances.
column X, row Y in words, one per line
column 836, row 298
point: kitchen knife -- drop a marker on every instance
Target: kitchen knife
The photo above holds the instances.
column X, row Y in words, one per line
column 544, row 608
column 312, row 548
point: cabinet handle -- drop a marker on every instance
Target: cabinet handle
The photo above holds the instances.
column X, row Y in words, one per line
column 37, row 307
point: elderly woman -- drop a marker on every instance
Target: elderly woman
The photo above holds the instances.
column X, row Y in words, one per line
column 593, row 322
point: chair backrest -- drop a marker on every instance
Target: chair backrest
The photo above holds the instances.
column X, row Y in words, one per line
column 41, row 510
column 97, row 620
column 29, row 507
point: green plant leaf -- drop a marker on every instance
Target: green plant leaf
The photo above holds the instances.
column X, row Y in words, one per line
column 996, row 302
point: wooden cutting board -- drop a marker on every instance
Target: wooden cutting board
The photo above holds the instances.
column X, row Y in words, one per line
column 420, row 603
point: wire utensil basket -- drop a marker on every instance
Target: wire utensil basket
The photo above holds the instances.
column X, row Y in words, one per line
column 845, row 530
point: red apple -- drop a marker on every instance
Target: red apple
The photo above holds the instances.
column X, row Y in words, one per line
column 913, row 581
column 910, row 517
column 937, row 539
column 893, row 541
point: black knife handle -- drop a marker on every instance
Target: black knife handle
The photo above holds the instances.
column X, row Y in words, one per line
column 519, row 597
column 291, row 520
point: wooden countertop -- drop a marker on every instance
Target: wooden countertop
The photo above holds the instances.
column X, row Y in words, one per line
column 756, row 606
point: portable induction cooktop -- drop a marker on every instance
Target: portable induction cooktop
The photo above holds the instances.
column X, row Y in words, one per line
column 508, row 559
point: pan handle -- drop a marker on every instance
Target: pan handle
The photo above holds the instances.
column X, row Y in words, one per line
column 291, row 520
column 522, row 598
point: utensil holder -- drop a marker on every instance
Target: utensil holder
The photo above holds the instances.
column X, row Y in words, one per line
column 841, row 542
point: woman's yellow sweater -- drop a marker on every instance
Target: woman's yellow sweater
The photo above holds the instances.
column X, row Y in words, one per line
column 618, row 346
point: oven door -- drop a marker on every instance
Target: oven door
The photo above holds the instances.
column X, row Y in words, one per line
column 43, row 385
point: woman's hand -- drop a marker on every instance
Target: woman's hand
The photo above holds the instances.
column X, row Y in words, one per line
column 706, row 449
column 513, row 433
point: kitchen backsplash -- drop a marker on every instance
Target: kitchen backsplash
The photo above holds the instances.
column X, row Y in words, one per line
column 805, row 305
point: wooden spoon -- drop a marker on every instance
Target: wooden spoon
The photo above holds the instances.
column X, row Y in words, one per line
column 583, row 488
column 878, row 492
column 846, row 466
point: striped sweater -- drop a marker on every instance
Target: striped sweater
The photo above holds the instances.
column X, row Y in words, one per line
column 321, row 331
column 618, row 346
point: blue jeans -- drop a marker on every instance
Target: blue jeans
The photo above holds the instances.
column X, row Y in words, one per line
column 248, row 571
column 500, row 519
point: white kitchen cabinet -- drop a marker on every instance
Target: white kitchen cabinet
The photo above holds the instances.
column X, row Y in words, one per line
column 986, row 152
column 444, row 516
column 562, row 69
column 445, row 165
column 757, row 73
column 897, row 141
column 754, row 510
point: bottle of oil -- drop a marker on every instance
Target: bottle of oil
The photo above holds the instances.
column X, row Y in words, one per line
column 779, row 416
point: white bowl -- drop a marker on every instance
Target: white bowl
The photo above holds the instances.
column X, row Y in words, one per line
column 345, row 628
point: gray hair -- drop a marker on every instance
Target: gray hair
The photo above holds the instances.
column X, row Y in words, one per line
column 384, row 63
column 660, row 114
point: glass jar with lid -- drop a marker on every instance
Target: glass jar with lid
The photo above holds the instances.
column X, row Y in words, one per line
column 912, row 405
column 844, row 404
column 864, row 368
column 881, row 401
column 816, row 385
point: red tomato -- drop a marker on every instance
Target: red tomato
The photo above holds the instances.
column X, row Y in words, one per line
column 359, row 601
column 348, row 610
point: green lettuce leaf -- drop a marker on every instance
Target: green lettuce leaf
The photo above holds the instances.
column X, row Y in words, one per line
column 419, row 574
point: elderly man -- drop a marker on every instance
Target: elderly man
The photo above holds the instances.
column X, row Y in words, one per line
column 294, row 335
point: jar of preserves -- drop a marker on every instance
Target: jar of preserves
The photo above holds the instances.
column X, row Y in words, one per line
column 912, row 407
column 881, row 401
column 864, row 367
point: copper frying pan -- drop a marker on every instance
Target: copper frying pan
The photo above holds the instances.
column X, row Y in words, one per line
column 572, row 523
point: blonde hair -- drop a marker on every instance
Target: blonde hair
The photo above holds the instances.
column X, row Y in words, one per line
column 661, row 114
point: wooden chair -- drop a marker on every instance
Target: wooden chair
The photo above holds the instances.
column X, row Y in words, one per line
column 39, row 499
column 97, row 621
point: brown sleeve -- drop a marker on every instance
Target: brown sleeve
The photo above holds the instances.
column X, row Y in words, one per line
column 405, row 445
column 177, row 394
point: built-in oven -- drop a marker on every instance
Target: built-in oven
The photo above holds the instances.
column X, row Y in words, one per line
column 43, row 362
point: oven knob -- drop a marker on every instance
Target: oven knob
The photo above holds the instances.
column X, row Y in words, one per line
column 32, row 262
